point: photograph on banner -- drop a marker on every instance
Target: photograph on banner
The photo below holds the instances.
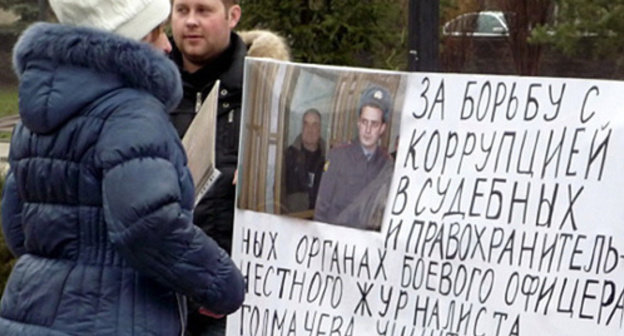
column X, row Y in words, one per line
column 503, row 212
column 324, row 139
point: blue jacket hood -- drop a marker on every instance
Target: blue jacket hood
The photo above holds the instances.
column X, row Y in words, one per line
column 72, row 57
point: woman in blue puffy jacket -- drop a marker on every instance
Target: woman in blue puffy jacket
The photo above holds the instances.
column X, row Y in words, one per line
column 98, row 201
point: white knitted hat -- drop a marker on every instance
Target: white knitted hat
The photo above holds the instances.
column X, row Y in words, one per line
column 130, row 18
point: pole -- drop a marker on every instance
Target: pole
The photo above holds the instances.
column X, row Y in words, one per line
column 423, row 37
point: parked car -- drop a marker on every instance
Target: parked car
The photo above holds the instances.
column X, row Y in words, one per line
column 477, row 24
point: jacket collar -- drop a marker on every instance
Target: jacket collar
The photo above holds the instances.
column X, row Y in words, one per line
column 137, row 65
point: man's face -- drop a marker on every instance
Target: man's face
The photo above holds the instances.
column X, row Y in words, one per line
column 201, row 28
column 311, row 132
column 370, row 127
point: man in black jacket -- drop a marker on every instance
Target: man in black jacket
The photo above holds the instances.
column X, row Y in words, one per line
column 206, row 49
column 304, row 160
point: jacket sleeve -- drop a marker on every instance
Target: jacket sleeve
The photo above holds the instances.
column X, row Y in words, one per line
column 148, row 212
column 12, row 216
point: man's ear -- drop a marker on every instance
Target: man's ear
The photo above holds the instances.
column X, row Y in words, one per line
column 383, row 128
column 234, row 15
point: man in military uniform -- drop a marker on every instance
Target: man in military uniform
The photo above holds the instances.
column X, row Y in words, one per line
column 350, row 168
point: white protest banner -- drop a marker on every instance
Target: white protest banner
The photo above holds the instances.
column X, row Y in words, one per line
column 502, row 213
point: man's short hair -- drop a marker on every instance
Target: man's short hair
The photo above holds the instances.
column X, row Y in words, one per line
column 230, row 3
column 379, row 97
column 227, row 3
column 313, row 111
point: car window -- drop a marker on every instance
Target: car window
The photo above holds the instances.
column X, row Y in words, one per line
column 477, row 24
column 462, row 24
column 490, row 24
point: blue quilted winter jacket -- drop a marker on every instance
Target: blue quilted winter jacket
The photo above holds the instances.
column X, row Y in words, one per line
column 98, row 201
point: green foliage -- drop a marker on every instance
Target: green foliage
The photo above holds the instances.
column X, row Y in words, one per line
column 8, row 101
column 583, row 27
column 342, row 32
column 8, row 106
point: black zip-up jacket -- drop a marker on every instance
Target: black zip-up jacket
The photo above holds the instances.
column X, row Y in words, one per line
column 215, row 212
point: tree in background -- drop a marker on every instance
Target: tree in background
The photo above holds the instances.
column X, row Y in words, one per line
column 522, row 17
column 369, row 33
column 586, row 28
column 455, row 52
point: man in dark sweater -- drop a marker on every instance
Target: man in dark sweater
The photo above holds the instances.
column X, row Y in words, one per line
column 304, row 161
